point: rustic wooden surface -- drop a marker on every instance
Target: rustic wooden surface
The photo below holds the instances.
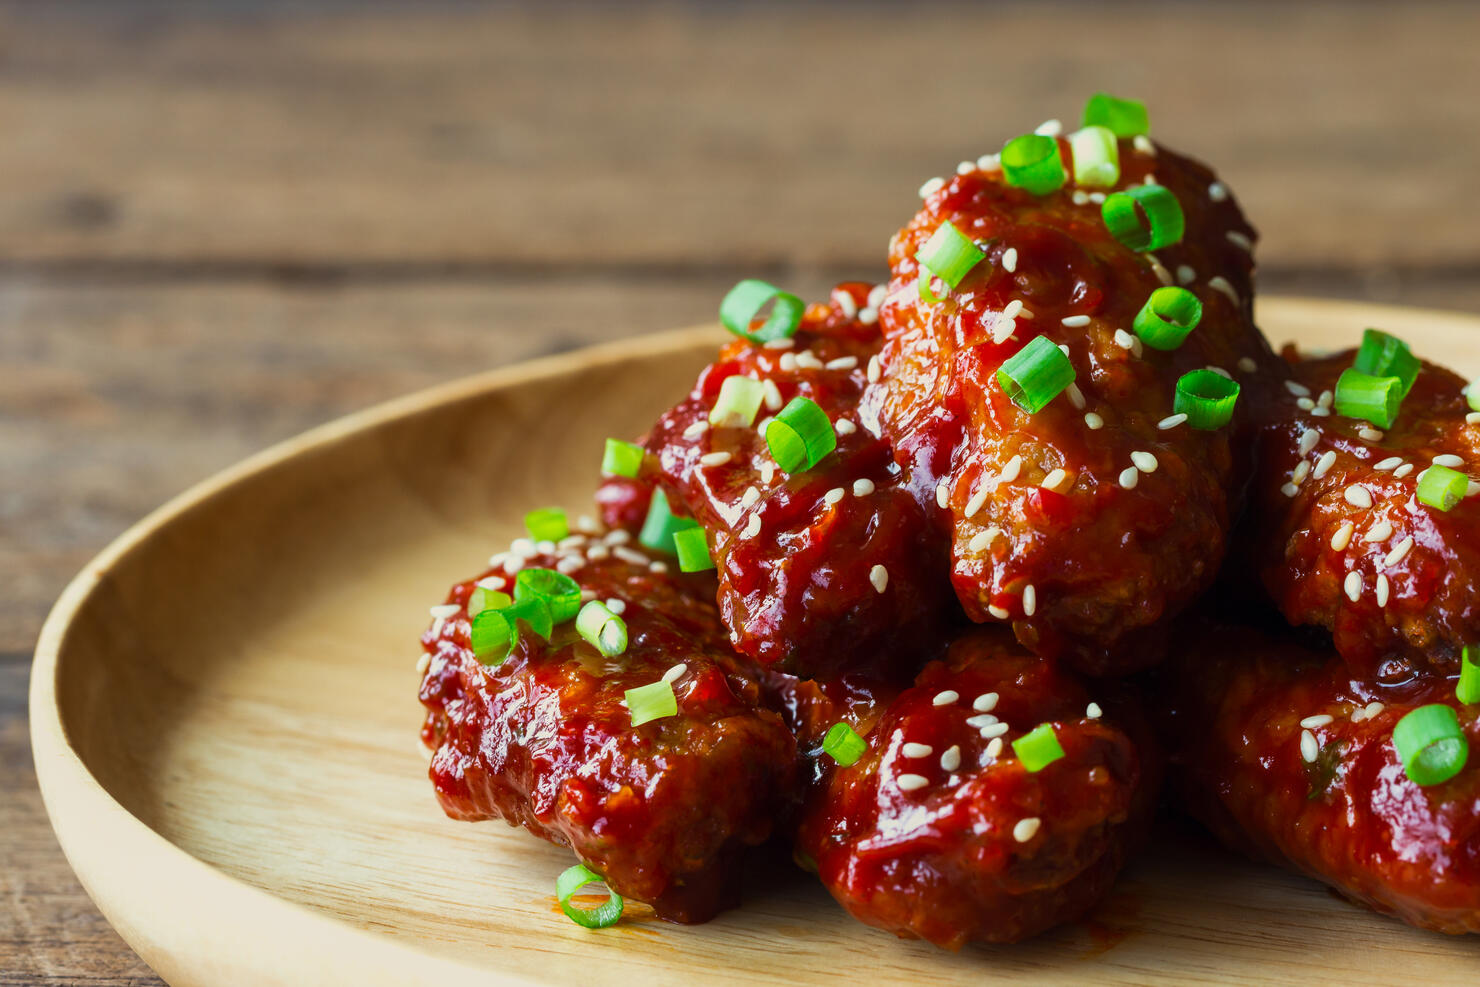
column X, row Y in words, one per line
column 220, row 227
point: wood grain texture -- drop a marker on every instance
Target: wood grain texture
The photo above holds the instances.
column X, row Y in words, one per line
column 225, row 724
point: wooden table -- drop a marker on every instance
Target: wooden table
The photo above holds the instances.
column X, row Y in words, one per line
column 221, row 227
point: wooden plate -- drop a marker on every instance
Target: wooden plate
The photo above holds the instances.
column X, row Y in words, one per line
column 224, row 718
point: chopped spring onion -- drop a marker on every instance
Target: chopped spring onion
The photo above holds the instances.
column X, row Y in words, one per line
column 1467, row 690
column 1164, row 223
column 1472, row 395
column 573, row 880
column 560, row 594
column 739, row 400
column 949, row 255
column 1430, row 744
column 1167, row 317
column 1206, row 398
column 1385, row 355
column 652, row 702
column 661, row 524
column 547, row 524
column 482, row 598
column 602, row 629
column 494, row 635
column 1124, row 117
column 843, row 744
column 1442, row 487
column 1032, row 162
column 743, row 305
column 693, row 550
column 1096, row 156
column 621, row 458
column 1038, row 748
column 1035, row 374
column 532, row 611
column 800, row 436
column 1373, row 399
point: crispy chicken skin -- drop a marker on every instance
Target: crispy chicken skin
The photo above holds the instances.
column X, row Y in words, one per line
column 1339, row 537
column 822, row 570
column 1351, row 817
column 545, row 740
column 1135, row 525
column 938, row 831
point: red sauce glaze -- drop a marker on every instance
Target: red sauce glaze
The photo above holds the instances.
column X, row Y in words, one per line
column 1430, row 610
column 796, row 591
column 1351, row 818
column 1105, row 562
column 947, row 861
column 545, row 740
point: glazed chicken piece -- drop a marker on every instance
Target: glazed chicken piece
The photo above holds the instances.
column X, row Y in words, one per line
column 1088, row 522
column 1339, row 537
column 823, row 569
column 939, row 830
column 545, row 739
column 1289, row 759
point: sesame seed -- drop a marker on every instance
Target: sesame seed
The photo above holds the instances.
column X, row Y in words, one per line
column 1094, row 422
column 862, row 487
column 1388, row 463
column 1324, row 401
column 981, row 720
column 752, row 527
column 571, row 541
column 587, row 525
column 1145, row 461
column 1398, row 553
column 995, row 747
column 879, row 576
column 1050, row 128
column 1098, row 198
column 675, row 673
column 945, row 697
column 985, row 703
column 1372, row 709
column 444, row 610
column 1026, row 829
column 569, row 564
column 808, row 360
column 1403, row 470
column 877, row 294
column 966, row 167
column 1150, row 180
column 846, row 304
column 1075, row 395
column 909, row 783
column 657, row 567
column 842, row 363
column 1218, row 192
column 1302, row 470
column 917, row 750
column 951, row 759
column 993, row 730
column 1308, row 440
column 1382, row 590
column 834, row 495
column 1369, row 434
column 524, row 548
column 1171, row 421
column 1473, row 418
column 1324, row 464
column 1075, row 321
column 873, row 369
column 545, row 547
column 1124, row 339
column 997, row 612
column 1011, row 470
column 1309, row 748
column 1298, row 389
column 1358, row 496
column 715, row 458
column 1030, row 600
column 1239, row 240
column 844, row 427
column 494, row 583
column 1143, row 144
column 942, row 495
column 868, row 316
column 587, row 595
column 772, row 394
column 1353, row 586
column 1129, row 477
column 989, row 162
column 1162, row 274
column 616, row 606
column 1450, row 460
column 617, row 536
column 598, row 552
column 628, row 555
column 931, row 187
column 1185, row 274
column 1009, row 259
column 768, row 472
column 1221, row 284
column 749, row 498
column 1247, row 365
column 982, row 540
column 1012, row 308
column 1342, row 537
column 1319, row 720
column 1054, row 479
column 696, row 429
column 1289, row 490
column 975, row 503
column 1093, row 711
column 1305, row 404
column 1381, row 531
column 423, row 663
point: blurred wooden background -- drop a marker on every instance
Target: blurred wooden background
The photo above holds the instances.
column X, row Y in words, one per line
column 225, row 223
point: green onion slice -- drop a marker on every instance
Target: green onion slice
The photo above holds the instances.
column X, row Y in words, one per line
column 1442, row 487
column 1167, row 317
column 621, row 458
column 693, row 550
column 661, row 524
column 739, row 399
column 1430, row 744
column 949, row 255
column 1206, row 398
column 602, row 629
column 494, row 635
column 800, row 436
column 843, row 744
column 482, row 598
column 1385, row 355
column 1096, row 156
column 652, row 702
column 547, row 524
column 1123, row 117
column 560, row 594
column 1164, row 223
column 743, row 305
column 1472, row 395
column 1373, row 399
column 1035, row 374
column 1032, row 162
column 573, row 880
column 1038, row 748
column 534, row 612
column 1467, row 690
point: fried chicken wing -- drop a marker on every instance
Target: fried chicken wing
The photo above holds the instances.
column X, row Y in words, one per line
column 939, row 831
column 1288, row 758
column 545, row 739
column 1339, row 537
column 1085, row 523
